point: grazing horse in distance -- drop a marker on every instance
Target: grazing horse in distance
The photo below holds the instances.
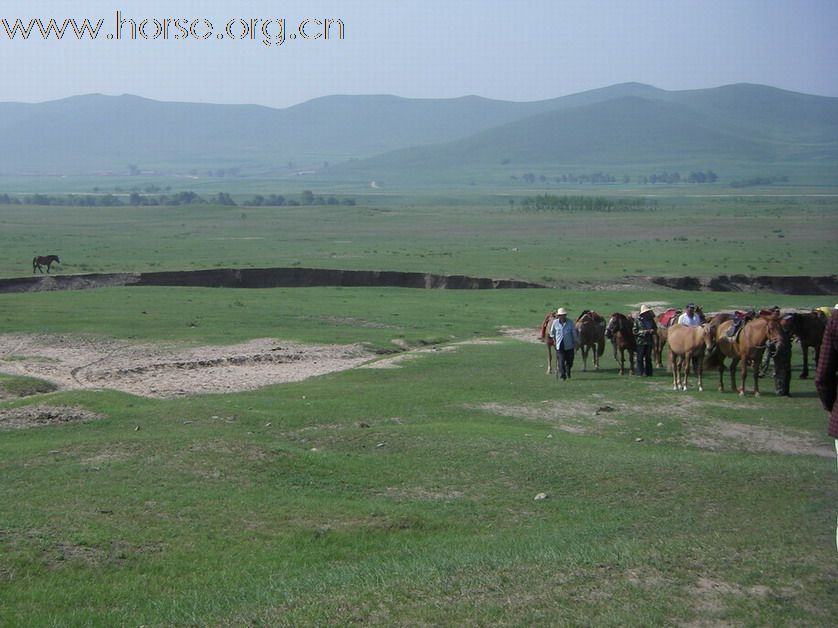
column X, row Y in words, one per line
column 591, row 328
column 619, row 330
column 808, row 328
column 547, row 339
column 746, row 348
column 686, row 343
column 46, row 260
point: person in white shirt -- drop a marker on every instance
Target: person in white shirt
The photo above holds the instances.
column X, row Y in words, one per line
column 564, row 334
column 690, row 317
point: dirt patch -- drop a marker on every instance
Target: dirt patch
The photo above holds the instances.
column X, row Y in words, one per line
column 726, row 436
column 575, row 417
column 41, row 415
column 710, row 597
column 167, row 371
column 701, row 429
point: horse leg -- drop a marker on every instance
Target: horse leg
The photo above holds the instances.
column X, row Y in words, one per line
column 805, row 349
column 743, row 367
column 756, row 377
column 673, row 364
column 549, row 359
column 699, row 371
column 584, row 358
column 688, row 359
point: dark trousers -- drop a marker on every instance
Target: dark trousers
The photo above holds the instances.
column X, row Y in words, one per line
column 644, row 359
column 782, row 371
column 565, row 360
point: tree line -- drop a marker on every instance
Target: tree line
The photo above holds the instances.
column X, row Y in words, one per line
column 136, row 199
column 599, row 178
column 552, row 202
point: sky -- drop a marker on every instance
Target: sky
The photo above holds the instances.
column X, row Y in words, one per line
column 521, row 50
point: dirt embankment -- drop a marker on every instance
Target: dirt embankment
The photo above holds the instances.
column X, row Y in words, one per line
column 825, row 285
column 260, row 278
column 310, row 277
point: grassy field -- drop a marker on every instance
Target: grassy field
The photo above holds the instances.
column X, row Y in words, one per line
column 681, row 233
column 406, row 496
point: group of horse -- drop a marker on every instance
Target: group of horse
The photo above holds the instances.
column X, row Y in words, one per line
column 696, row 348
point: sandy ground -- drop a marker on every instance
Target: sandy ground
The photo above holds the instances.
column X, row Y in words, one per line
column 167, row 371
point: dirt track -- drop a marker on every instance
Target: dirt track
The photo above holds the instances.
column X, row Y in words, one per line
column 167, row 371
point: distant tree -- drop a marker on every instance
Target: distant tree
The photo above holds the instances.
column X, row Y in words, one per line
column 223, row 198
column 307, row 197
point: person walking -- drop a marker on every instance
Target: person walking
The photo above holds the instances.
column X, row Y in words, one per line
column 826, row 378
column 566, row 338
column 644, row 330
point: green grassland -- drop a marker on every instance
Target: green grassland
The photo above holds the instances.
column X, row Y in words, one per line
column 681, row 232
column 405, row 496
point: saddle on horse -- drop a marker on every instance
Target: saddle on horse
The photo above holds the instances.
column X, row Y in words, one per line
column 740, row 317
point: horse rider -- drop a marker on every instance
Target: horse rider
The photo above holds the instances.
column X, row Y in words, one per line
column 566, row 338
column 645, row 329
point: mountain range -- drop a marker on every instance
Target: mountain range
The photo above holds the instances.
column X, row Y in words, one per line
column 743, row 128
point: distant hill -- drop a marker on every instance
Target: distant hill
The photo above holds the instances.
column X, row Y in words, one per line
column 626, row 127
column 746, row 128
column 91, row 133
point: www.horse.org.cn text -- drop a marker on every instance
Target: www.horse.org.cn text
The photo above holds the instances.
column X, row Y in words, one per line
column 269, row 31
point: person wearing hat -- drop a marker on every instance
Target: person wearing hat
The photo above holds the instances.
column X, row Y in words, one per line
column 566, row 338
column 826, row 377
column 645, row 330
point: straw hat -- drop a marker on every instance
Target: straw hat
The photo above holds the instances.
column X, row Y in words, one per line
column 561, row 312
column 645, row 308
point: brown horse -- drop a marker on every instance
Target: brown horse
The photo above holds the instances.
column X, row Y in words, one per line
column 619, row 331
column 808, row 328
column 686, row 348
column 746, row 348
column 547, row 339
column 591, row 328
column 665, row 320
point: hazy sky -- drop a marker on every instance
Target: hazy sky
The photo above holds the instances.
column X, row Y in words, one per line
column 511, row 49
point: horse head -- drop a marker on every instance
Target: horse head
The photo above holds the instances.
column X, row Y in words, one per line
column 774, row 332
column 616, row 323
column 709, row 337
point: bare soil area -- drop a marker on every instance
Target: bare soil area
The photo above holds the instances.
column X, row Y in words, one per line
column 167, row 371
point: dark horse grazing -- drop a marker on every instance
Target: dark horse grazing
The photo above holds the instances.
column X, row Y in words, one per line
column 591, row 328
column 548, row 340
column 619, row 330
column 47, row 261
column 808, row 328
